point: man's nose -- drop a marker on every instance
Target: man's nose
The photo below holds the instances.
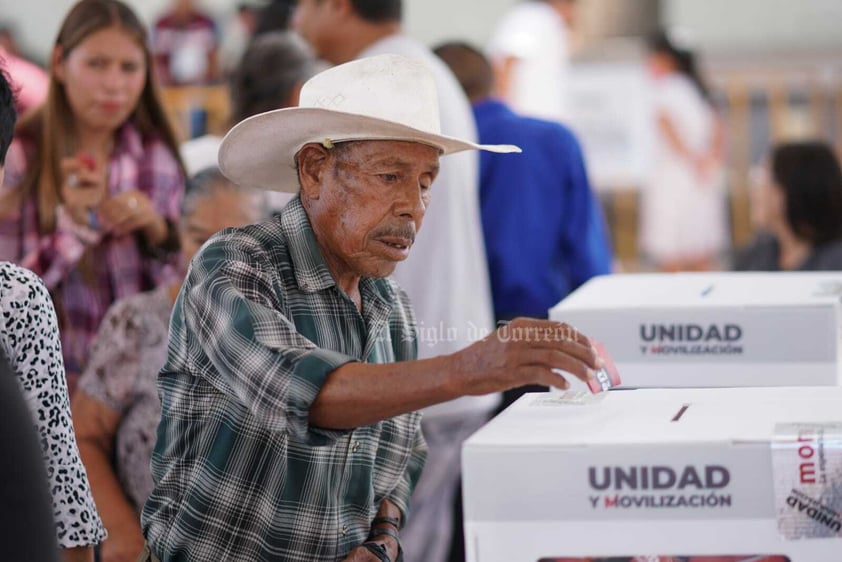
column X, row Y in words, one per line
column 412, row 202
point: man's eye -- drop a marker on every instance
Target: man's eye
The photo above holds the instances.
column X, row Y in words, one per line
column 389, row 177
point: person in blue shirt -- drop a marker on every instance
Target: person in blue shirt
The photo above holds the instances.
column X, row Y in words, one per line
column 544, row 229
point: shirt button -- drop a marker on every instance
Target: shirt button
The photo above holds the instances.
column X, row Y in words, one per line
column 355, row 447
column 344, row 530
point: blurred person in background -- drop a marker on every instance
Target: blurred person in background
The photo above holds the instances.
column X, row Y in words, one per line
column 446, row 275
column 116, row 409
column 239, row 30
column 530, row 52
column 26, row 508
column 797, row 211
column 683, row 219
column 269, row 76
column 185, row 42
column 93, row 180
column 545, row 233
column 29, row 81
column 276, row 15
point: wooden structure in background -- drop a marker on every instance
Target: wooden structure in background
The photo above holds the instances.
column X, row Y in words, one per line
column 180, row 102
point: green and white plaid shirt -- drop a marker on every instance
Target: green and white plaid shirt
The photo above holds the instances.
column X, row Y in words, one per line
column 239, row 472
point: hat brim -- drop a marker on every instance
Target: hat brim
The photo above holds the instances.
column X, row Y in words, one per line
column 260, row 151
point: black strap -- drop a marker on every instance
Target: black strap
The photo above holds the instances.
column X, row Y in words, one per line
column 378, row 550
column 380, row 531
column 394, row 521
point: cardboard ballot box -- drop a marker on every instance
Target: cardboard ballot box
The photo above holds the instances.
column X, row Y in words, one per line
column 658, row 475
column 714, row 329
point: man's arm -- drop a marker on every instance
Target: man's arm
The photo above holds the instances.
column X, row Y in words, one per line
column 292, row 385
column 523, row 352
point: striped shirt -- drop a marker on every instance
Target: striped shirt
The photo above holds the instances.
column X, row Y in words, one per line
column 116, row 267
column 239, row 472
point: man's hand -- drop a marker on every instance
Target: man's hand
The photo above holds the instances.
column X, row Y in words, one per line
column 362, row 554
column 526, row 351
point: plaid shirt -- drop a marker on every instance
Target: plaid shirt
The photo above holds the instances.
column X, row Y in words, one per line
column 116, row 267
column 239, row 472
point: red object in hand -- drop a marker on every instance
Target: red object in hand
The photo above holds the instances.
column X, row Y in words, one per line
column 608, row 377
column 87, row 160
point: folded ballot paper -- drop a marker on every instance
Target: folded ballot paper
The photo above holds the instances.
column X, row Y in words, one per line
column 690, row 475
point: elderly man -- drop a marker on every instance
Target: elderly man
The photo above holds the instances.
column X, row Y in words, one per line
column 450, row 253
column 289, row 429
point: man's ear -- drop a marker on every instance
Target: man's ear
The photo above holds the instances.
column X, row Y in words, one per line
column 57, row 63
column 312, row 165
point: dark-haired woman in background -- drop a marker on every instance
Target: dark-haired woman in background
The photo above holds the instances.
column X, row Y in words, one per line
column 683, row 220
column 797, row 209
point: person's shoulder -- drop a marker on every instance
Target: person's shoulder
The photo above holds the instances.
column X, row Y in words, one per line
column 19, row 280
column 201, row 19
column 139, row 304
column 828, row 257
column 761, row 254
column 538, row 133
column 165, row 21
column 252, row 241
column 677, row 88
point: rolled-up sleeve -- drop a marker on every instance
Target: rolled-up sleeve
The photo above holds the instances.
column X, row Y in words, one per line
column 254, row 351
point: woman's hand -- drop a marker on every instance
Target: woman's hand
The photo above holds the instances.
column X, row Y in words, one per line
column 83, row 187
column 132, row 211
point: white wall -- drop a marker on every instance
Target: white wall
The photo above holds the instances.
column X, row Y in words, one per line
column 758, row 25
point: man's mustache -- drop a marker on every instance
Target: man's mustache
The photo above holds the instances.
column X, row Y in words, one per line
column 405, row 231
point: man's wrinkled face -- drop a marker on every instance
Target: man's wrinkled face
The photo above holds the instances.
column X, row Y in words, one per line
column 367, row 201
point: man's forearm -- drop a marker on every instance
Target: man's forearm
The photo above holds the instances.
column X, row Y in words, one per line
column 525, row 351
column 358, row 394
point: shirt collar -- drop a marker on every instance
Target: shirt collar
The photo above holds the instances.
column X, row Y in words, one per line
column 308, row 262
column 129, row 141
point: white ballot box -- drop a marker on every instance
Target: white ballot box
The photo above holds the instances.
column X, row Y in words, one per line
column 661, row 475
column 714, row 329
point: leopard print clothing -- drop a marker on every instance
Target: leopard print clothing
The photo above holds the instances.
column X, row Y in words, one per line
column 30, row 339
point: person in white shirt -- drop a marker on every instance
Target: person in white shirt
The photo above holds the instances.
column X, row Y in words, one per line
column 683, row 215
column 530, row 53
column 446, row 275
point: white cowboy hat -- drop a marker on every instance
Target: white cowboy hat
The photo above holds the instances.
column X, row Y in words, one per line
column 387, row 97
